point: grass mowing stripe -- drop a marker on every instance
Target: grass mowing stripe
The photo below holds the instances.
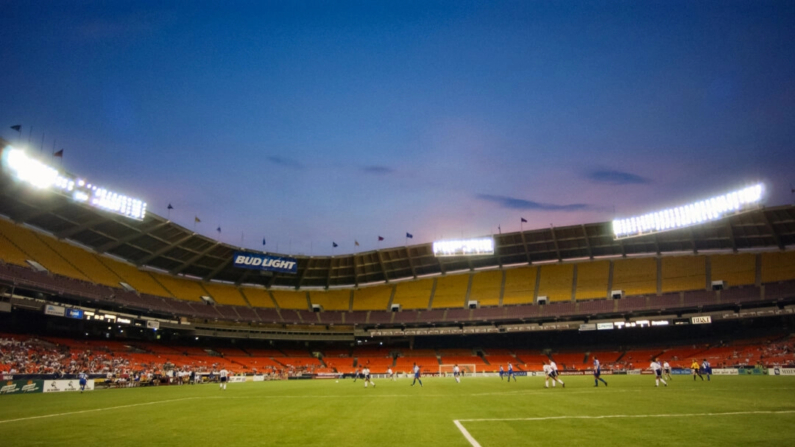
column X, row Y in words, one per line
column 97, row 409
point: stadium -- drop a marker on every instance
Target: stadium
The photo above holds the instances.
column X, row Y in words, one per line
column 141, row 304
column 395, row 223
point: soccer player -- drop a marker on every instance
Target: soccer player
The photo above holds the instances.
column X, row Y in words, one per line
column 502, row 372
column 553, row 374
column 224, row 375
column 457, row 373
column 83, row 379
column 655, row 366
column 390, row 374
column 367, row 378
column 706, row 369
column 597, row 372
column 356, row 376
column 694, row 367
column 510, row 373
column 416, row 370
column 547, row 374
column 667, row 371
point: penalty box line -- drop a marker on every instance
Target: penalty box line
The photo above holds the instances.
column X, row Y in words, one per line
column 475, row 443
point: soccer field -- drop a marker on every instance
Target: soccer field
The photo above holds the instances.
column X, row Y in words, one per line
column 749, row 410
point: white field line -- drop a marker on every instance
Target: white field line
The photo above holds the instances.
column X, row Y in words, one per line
column 475, row 443
column 94, row 410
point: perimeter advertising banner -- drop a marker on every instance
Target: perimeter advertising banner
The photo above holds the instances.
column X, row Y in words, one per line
column 21, row 386
column 256, row 261
column 59, row 386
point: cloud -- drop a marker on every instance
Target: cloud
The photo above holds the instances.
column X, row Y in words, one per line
column 286, row 162
column 616, row 177
column 521, row 204
column 377, row 170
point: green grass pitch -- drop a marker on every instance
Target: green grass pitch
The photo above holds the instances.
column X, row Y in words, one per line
column 327, row 413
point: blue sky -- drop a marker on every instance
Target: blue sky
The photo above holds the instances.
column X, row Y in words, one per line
column 313, row 122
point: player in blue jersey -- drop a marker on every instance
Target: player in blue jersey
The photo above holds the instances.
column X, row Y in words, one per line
column 510, row 373
column 416, row 371
column 502, row 372
column 597, row 372
column 706, row 368
column 83, row 380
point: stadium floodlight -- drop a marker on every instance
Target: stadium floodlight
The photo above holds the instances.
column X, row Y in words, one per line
column 464, row 247
column 38, row 174
column 692, row 214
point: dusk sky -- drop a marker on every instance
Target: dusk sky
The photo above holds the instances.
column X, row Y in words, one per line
column 312, row 122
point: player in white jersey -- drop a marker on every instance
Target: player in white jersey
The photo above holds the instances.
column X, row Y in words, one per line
column 554, row 374
column 667, row 371
column 224, row 375
column 390, row 374
column 657, row 369
column 547, row 375
column 457, row 373
column 367, row 379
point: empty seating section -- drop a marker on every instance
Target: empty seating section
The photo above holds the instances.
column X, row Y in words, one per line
column 684, row 273
column 289, row 300
column 532, row 359
column 257, row 297
column 571, row 360
column 86, row 261
column 27, row 241
column 332, row 300
column 520, row 285
column 224, row 294
column 736, row 270
column 640, row 358
column 635, row 276
column 486, row 287
column 426, row 364
column 450, row 291
column 592, row 279
column 10, row 253
column 556, row 282
column 778, row 266
column 139, row 280
column 183, row 289
column 605, row 357
column 372, row 298
column 413, row 294
column 502, row 359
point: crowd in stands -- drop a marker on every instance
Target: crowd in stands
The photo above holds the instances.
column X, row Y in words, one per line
column 128, row 365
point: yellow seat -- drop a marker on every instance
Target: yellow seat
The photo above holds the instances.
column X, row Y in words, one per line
column 556, row 281
column 735, row 269
column 592, row 279
column 778, row 266
column 290, row 300
column 332, row 299
column 520, row 285
column 413, row 294
column 684, row 273
column 258, row 297
column 486, row 288
column 139, row 280
column 31, row 244
column 183, row 289
column 224, row 294
column 635, row 276
column 372, row 298
column 451, row 291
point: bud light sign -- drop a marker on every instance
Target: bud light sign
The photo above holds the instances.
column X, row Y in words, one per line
column 265, row 262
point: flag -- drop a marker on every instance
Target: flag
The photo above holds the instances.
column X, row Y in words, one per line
column 17, row 127
column 524, row 220
column 356, row 243
column 170, row 207
column 499, row 229
column 196, row 219
column 218, row 229
column 409, row 235
column 334, row 245
column 58, row 154
column 263, row 241
column 380, row 238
